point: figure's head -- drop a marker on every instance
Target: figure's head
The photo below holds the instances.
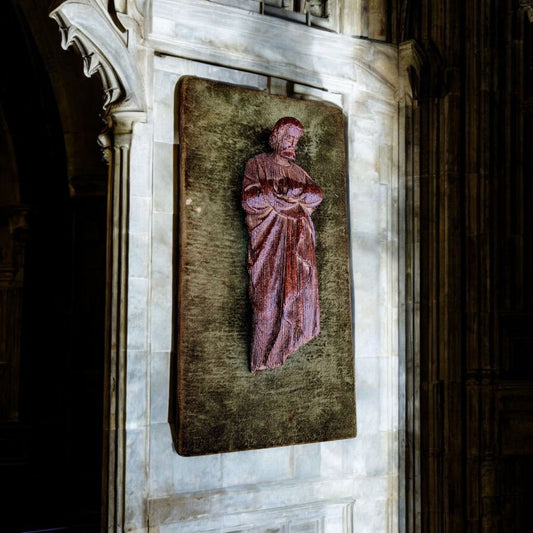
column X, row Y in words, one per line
column 285, row 136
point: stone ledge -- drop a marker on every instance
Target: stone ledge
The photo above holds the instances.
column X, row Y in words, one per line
column 246, row 508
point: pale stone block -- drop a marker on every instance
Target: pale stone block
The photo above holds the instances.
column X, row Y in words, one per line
column 385, row 165
column 159, row 386
column 256, row 466
column 180, row 528
column 136, row 383
column 369, row 211
column 311, row 93
column 203, row 473
column 393, row 397
column 306, row 459
column 135, row 483
column 163, row 26
column 371, row 455
column 366, row 284
column 363, row 149
column 165, row 125
column 387, row 300
column 376, row 385
column 388, row 393
column 178, row 67
column 367, row 487
column 367, row 167
column 331, row 464
column 364, row 129
column 324, row 517
column 371, row 516
column 333, row 489
column 141, row 160
column 139, row 255
column 162, row 283
column 162, row 244
column 140, row 210
column 165, row 170
column 252, row 504
column 137, row 313
column 161, row 474
column 306, row 450
column 367, row 375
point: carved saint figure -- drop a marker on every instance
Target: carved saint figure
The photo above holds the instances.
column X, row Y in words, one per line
column 279, row 198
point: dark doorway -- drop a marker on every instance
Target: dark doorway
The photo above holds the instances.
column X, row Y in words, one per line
column 52, row 261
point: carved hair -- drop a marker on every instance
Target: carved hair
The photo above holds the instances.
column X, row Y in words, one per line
column 281, row 124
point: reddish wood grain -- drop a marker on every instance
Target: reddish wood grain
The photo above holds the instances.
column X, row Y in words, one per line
column 279, row 197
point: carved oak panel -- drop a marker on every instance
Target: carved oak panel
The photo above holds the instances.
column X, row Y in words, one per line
column 218, row 405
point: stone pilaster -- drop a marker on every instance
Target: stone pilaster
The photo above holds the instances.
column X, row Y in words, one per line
column 410, row 63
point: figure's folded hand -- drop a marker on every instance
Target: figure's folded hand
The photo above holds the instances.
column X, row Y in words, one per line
column 295, row 192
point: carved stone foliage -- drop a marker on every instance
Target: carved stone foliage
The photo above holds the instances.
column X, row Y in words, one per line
column 107, row 47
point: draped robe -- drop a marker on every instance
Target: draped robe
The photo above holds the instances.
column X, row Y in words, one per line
column 283, row 286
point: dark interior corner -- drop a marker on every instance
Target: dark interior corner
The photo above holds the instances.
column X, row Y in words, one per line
column 52, row 286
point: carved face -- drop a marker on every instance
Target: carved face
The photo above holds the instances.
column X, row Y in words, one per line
column 287, row 139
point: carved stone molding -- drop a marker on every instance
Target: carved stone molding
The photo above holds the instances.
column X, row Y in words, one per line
column 122, row 10
column 423, row 67
column 107, row 49
column 202, row 511
column 260, row 41
column 123, row 121
column 410, row 62
column 527, row 6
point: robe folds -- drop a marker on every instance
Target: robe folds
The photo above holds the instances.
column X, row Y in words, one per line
column 283, row 280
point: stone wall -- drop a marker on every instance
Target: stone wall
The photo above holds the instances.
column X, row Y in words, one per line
column 346, row 485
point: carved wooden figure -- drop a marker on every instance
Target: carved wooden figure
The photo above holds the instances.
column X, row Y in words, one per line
column 279, row 198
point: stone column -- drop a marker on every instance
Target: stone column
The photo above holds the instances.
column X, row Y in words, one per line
column 409, row 66
column 434, row 382
column 116, row 146
column 107, row 39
